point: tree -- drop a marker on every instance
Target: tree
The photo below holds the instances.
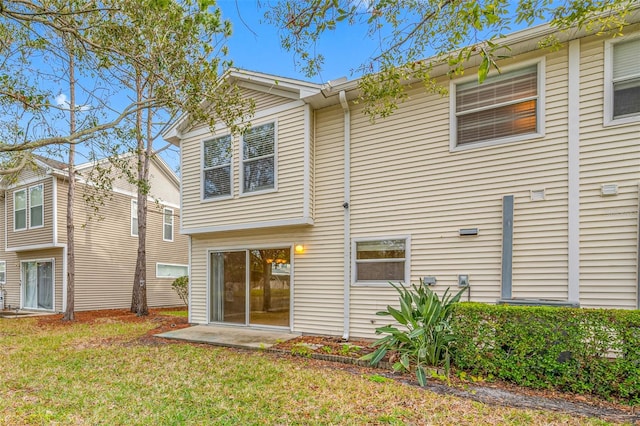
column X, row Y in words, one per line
column 153, row 58
column 448, row 31
column 175, row 53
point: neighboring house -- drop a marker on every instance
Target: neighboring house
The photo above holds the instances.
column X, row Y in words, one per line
column 524, row 188
column 33, row 255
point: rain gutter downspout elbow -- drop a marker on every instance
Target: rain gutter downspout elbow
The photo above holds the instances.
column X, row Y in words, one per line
column 347, row 216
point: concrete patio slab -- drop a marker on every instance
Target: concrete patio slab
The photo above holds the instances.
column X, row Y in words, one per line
column 234, row 337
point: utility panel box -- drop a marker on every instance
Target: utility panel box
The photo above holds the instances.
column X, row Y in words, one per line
column 429, row 280
column 463, row 280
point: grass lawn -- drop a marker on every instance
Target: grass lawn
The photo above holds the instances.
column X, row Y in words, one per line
column 110, row 372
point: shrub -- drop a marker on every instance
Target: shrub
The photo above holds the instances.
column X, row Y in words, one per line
column 181, row 286
column 425, row 334
column 590, row 351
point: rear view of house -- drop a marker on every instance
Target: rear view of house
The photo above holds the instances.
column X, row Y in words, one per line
column 523, row 189
column 33, row 257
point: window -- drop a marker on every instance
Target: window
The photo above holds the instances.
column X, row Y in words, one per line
column 20, row 210
column 505, row 107
column 167, row 231
column 381, row 261
column 622, row 75
column 216, row 168
column 36, row 211
column 3, row 272
column 258, row 158
column 167, row 270
column 134, row 218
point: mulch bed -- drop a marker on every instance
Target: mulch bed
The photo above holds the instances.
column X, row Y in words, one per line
column 336, row 353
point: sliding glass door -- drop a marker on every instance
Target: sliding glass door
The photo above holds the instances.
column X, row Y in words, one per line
column 37, row 285
column 250, row 287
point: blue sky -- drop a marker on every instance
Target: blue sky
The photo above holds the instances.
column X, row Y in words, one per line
column 255, row 45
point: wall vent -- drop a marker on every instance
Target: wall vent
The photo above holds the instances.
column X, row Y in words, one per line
column 537, row 194
column 609, row 189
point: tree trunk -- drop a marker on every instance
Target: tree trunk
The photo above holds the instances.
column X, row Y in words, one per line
column 139, row 299
column 139, row 294
column 69, row 314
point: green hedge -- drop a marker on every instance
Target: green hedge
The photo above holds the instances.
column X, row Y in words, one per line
column 589, row 351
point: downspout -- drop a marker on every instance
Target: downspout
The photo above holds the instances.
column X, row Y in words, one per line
column 347, row 215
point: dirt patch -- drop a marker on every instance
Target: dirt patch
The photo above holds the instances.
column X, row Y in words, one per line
column 164, row 321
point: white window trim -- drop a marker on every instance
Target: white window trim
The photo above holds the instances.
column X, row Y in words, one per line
column 608, row 119
column 158, row 264
column 164, row 212
column 202, row 170
column 134, row 209
column 3, row 263
column 26, row 210
column 29, row 206
column 382, row 283
column 275, row 161
column 540, row 113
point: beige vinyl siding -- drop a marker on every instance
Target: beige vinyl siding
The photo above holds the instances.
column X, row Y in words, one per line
column 57, row 254
column 162, row 187
column 106, row 253
column 608, row 225
column 12, row 272
column 285, row 203
column 105, row 272
column 264, row 100
column 405, row 181
column 31, row 173
column 318, row 273
column 36, row 236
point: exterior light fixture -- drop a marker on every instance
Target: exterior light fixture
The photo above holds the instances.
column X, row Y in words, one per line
column 299, row 248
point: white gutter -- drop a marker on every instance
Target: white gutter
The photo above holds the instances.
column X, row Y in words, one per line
column 347, row 214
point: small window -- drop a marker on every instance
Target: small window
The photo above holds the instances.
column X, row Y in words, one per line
column 505, row 107
column 20, row 210
column 3, row 272
column 167, row 231
column 258, row 158
column 381, row 261
column 623, row 75
column 216, row 167
column 134, row 218
column 36, row 210
column 167, row 270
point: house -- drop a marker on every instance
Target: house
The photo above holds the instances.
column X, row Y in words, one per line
column 33, row 255
column 523, row 189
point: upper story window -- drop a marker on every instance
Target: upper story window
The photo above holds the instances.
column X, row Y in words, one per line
column 258, row 158
column 3, row 272
column 216, row 167
column 504, row 108
column 381, row 261
column 167, row 224
column 20, row 210
column 134, row 218
column 36, row 207
column 622, row 81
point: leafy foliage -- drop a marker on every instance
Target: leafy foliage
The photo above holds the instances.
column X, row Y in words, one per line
column 591, row 351
column 424, row 336
column 181, row 286
column 450, row 32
